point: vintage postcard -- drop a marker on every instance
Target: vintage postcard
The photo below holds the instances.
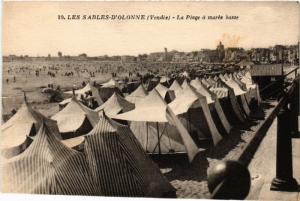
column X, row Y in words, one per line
column 150, row 99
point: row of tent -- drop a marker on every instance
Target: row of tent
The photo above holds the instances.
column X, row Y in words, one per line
column 166, row 120
column 113, row 163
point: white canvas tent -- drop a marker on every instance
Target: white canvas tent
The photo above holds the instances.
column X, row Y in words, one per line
column 245, row 77
column 114, row 105
column 213, row 103
column 137, row 94
column 16, row 134
column 167, row 94
column 157, row 128
column 238, row 92
column 176, row 88
column 198, row 116
column 75, row 119
column 82, row 91
column 228, row 101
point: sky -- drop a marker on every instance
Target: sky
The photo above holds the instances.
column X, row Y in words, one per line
column 33, row 28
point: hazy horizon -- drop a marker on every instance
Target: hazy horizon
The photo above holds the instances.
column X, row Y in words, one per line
column 38, row 32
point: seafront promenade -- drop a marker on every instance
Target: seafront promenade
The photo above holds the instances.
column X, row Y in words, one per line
column 263, row 168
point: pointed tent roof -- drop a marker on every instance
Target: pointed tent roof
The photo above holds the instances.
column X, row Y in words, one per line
column 185, row 101
column 176, row 88
column 164, row 79
column 232, row 84
column 114, row 105
column 137, row 94
column 121, row 167
column 48, row 167
column 205, row 82
column 83, row 90
column 184, row 84
column 15, row 131
column 203, row 90
column 110, row 83
column 70, row 118
column 162, row 90
column 219, row 89
column 154, row 109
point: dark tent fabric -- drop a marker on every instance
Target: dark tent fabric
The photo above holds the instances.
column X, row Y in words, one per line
column 119, row 164
column 48, row 167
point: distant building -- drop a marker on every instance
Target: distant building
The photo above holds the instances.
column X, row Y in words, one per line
column 264, row 75
column 220, row 52
column 128, row 59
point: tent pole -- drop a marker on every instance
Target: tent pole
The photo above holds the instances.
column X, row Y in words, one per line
column 159, row 151
column 147, row 136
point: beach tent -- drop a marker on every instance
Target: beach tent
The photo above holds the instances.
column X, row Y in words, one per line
column 137, row 94
column 238, row 92
column 245, row 77
column 17, row 133
column 157, row 128
column 214, row 105
column 114, row 105
column 88, row 89
column 48, row 167
column 228, row 101
column 176, row 88
column 110, row 83
column 119, row 164
column 82, row 91
column 164, row 80
column 75, row 119
column 151, row 83
column 167, row 94
column 107, row 89
column 184, row 84
column 192, row 109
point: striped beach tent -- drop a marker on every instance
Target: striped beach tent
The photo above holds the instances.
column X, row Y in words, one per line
column 75, row 119
column 17, row 133
column 48, row 167
column 120, row 165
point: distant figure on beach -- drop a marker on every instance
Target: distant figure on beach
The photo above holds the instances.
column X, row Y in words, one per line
column 14, row 78
column 7, row 80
